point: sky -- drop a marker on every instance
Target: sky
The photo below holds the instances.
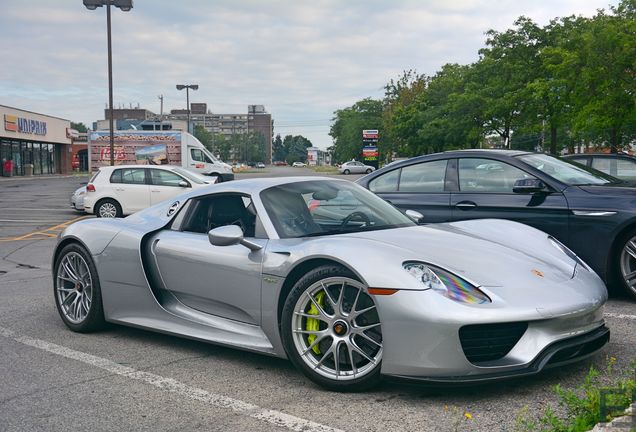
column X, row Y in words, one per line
column 301, row 59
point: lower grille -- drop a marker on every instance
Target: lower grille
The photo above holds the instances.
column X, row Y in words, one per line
column 488, row 342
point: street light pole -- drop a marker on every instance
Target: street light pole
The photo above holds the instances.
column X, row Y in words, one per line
column 110, row 88
column 187, row 88
column 124, row 5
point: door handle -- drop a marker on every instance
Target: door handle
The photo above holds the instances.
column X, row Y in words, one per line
column 119, row 189
column 154, row 190
column 465, row 205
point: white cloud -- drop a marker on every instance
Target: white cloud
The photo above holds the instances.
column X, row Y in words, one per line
column 302, row 60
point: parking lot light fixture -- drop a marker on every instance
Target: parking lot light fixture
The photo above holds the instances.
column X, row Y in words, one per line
column 124, row 5
column 187, row 88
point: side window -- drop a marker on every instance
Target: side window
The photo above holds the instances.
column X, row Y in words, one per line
column 424, row 177
column 626, row 169
column 386, row 182
column 197, row 155
column 227, row 209
column 165, row 178
column 133, row 176
column 115, row 176
column 602, row 164
column 487, row 175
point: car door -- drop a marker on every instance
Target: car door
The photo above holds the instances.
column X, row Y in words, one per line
column 197, row 160
column 223, row 281
column 485, row 190
column 130, row 189
column 420, row 186
column 165, row 184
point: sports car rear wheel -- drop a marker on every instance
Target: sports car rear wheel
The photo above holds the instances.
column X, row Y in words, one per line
column 331, row 330
column 77, row 291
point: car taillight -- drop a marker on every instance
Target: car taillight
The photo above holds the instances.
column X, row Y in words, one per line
column 90, row 187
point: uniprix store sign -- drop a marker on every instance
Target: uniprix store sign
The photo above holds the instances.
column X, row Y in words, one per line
column 14, row 123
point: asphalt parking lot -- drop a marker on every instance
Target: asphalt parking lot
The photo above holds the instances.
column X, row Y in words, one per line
column 130, row 379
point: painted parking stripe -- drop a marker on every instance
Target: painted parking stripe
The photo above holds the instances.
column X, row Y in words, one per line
column 176, row 387
column 620, row 316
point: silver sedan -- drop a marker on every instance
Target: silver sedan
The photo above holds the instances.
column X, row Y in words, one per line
column 328, row 275
column 355, row 167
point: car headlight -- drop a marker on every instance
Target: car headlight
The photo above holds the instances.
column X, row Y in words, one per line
column 445, row 283
column 563, row 248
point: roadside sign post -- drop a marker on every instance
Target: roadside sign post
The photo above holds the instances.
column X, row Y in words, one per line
column 370, row 154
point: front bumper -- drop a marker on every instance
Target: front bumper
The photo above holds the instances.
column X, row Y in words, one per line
column 424, row 339
column 556, row 354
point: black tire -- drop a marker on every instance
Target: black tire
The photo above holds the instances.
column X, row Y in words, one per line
column 94, row 319
column 346, row 172
column 106, row 203
column 618, row 263
column 368, row 171
column 365, row 382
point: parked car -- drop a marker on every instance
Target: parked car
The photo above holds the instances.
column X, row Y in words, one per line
column 299, row 164
column 120, row 190
column 590, row 212
column 77, row 199
column 260, row 165
column 619, row 165
column 355, row 167
column 280, row 163
column 247, row 264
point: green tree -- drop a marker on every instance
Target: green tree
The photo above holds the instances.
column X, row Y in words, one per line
column 80, row 127
column 606, row 90
column 296, row 148
column 278, row 150
column 348, row 125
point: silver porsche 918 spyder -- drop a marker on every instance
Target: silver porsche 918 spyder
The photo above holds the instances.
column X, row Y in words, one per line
column 327, row 274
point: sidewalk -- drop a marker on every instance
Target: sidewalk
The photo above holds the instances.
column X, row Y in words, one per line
column 47, row 176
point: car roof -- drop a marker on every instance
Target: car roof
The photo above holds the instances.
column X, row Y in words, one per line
column 600, row 154
column 166, row 167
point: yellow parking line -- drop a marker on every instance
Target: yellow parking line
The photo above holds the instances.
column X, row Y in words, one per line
column 45, row 234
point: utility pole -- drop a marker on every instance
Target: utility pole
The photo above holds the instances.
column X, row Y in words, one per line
column 161, row 113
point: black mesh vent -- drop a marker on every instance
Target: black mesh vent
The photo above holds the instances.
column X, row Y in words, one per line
column 488, row 342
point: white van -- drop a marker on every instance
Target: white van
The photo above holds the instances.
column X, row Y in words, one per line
column 134, row 147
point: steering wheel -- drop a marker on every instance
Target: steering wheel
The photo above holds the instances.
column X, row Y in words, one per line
column 356, row 214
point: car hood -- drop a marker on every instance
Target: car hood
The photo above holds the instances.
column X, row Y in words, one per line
column 484, row 252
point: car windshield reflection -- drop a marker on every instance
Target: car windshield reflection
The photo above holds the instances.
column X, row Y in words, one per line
column 318, row 208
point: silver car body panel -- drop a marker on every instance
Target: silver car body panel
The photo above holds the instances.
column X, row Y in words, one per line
column 177, row 283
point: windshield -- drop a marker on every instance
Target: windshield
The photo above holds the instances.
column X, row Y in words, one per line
column 324, row 207
column 196, row 178
column 567, row 172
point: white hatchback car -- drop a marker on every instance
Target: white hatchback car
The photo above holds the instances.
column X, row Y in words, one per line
column 120, row 190
column 355, row 167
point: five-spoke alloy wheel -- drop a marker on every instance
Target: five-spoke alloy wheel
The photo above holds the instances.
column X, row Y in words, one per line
column 332, row 330
column 108, row 208
column 77, row 290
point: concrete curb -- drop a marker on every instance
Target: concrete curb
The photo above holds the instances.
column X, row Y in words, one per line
column 36, row 177
column 619, row 424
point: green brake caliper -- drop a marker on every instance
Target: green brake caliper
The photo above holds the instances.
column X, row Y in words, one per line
column 313, row 324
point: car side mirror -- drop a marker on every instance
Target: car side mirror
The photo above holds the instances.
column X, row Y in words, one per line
column 183, row 183
column 230, row 235
column 415, row 215
column 531, row 185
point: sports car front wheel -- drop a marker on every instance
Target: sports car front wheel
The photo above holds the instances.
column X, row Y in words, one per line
column 77, row 291
column 331, row 330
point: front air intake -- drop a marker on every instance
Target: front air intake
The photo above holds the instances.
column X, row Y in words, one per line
column 489, row 342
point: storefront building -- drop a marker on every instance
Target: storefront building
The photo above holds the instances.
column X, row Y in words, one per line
column 33, row 144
